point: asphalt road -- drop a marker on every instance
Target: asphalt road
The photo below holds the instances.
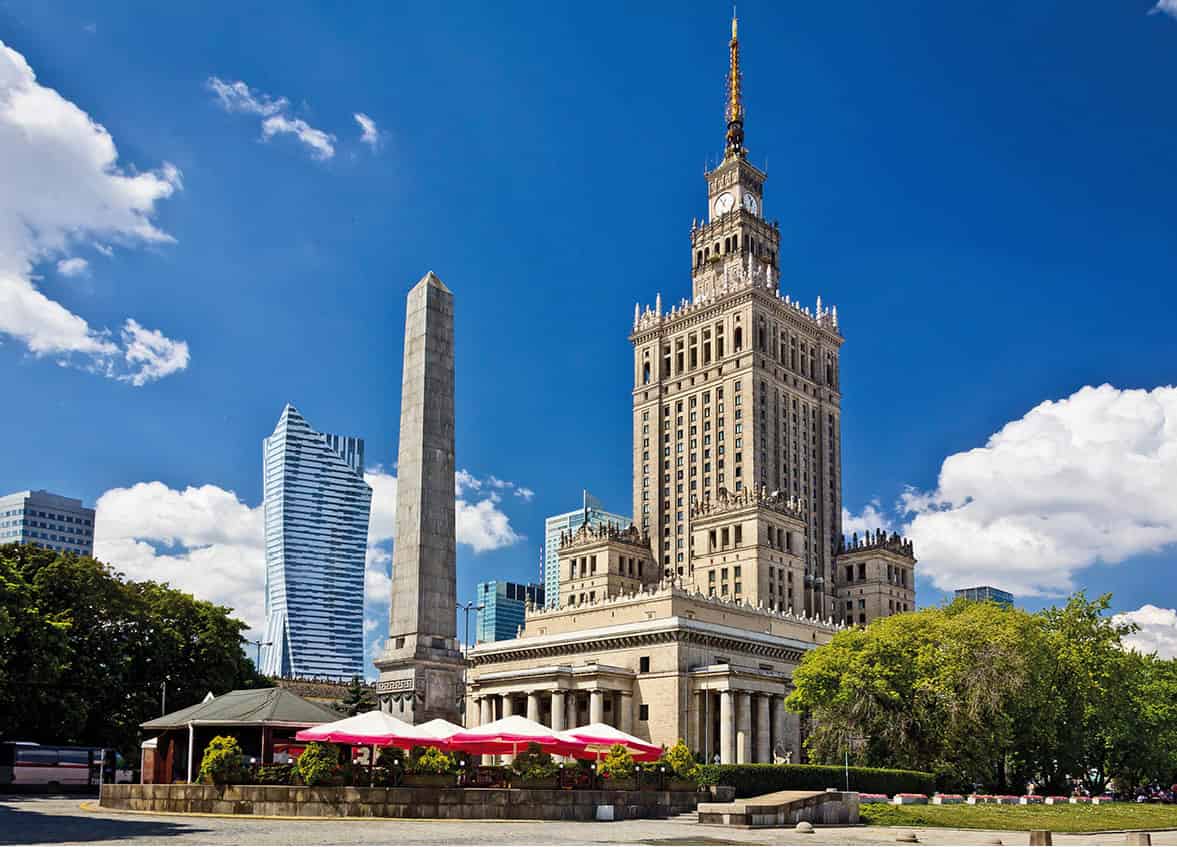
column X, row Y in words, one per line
column 74, row 820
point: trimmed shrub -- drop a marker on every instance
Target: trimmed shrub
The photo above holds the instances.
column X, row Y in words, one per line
column 318, row 763
column 222, row 761
column 433, row 761
column 533, row 764
column 679, row 760
column 617, row 764
column 752, row 780
column 273, row 775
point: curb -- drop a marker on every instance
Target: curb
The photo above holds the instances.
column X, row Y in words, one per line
column 91, row 806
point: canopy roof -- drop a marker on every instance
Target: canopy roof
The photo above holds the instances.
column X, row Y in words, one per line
column 509, row 735
column 375, row 728
column 248, row 707
column 600, row 737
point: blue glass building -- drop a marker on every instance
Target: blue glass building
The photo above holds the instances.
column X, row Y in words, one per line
column 316, row 523
column 569, row 522
column 503, row 605
column 986, row 593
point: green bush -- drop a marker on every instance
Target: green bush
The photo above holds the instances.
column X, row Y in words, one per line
column 678, row 759
column 752, row 780
column 273, row 775
column 433, row 761
column 617, row 764
column 318, row 763
column 533, row 764
column 222, row 761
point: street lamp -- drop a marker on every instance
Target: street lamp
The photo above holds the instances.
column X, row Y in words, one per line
column 466, row 608
column 260, row 644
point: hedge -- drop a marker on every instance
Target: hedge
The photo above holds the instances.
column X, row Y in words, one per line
column 752, row 780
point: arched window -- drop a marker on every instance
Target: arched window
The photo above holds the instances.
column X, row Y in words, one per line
column 739, row 339
column 698, row 258
column 646, row 373
column 727, row 245
column 736, row 241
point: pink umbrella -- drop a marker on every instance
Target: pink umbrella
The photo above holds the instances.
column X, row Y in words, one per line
column 508, row 736
column 600, row 738
column 434, row 733
column 369, row 729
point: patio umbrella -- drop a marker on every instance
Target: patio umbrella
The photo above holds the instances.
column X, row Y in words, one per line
column 368, row 729
column 600, row 738
column 434, row 733
column 508, row 735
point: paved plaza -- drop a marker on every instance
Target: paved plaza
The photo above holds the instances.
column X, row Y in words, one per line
column 74, row 820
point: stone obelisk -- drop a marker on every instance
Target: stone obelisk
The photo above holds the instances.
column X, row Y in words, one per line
column 421, row 667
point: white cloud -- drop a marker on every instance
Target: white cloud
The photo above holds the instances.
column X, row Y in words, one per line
column 484, row 526
column 1090, row 478
column 369, row 134
column 524, row 493
column 1167, row 7
column 74, row 266
column 239, row 97
column 62, row 184
column 872, row 518
column 152, row 354
column 465, row 481
column 203, row 540
column 1157, row 631
column 321, row 143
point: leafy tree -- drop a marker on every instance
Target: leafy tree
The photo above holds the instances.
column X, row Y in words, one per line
column 84, row 652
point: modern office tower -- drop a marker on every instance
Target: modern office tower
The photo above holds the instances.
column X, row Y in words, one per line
column 592, row 512
column 316, row 525
column 503, row 606
column 47, row 520
column 984, row 593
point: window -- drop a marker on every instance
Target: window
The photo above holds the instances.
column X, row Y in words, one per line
column 643, row 712
column 644, row 664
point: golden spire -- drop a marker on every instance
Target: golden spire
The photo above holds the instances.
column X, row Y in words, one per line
column 735, row 107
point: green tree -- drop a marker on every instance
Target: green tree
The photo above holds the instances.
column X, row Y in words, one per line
column 85, row 651
column 357, row 699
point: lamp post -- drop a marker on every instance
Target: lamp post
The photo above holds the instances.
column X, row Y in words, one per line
column 163, row 697
column 466, row 609
column 260, row 644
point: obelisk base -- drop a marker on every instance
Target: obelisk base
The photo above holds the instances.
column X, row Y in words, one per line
column 418, row 690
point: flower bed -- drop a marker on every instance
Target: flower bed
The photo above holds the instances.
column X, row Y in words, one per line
column 979, row 799
column 1078, row 799
column 947, row 799
column 1030, row 799
column 1099, row 801
column 910, row 800
column 1057, row 800
column 873, row 798
column 1007, row 799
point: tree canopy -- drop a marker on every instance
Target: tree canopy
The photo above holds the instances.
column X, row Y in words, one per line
column 85, row 653
column 984, row 694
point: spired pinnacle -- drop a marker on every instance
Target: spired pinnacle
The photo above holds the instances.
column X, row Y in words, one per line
column 735, row 105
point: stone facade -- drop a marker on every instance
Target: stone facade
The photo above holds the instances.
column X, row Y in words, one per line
column 421, row 667
column 875, row 577
column 737, row 493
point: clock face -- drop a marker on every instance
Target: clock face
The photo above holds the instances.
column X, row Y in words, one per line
column 724, row 203
column 751, row 204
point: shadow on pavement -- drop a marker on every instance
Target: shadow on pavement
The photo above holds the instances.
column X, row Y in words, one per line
column 23, row 824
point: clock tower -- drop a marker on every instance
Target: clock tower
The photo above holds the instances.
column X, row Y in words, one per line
column 735, row 231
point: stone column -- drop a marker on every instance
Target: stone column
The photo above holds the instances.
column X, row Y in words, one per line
column 473, row 712
column 625, row 722
column 488, row 716
column 508, row 705
column 778, row 725
column 727, row 726
column 596, row 706
column 695, row 720
column 763, row 730
column 743, row 728
column 558, row 710
column 573, row 712
column 533, row 706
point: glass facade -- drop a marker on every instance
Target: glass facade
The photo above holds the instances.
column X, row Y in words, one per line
column 567, row 522
column 986, row 592
column 504, row 605
column 47, row 520
column 317, row 507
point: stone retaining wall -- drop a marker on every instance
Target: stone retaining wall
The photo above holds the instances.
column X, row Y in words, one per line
column 415, row 802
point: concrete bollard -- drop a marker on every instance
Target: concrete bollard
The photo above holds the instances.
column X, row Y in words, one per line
column 1040, row 836
column 1139, row 838
column 804, row 826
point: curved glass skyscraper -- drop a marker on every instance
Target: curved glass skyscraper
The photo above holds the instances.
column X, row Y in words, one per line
column 316, row 515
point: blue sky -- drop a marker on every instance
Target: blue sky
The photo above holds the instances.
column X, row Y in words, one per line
column 984, row 190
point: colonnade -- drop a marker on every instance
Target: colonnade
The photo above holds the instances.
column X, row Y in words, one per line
column 558, row 708
column 742, row 727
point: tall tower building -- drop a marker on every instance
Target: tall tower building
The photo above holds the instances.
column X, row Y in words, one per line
column 316, row 522
column 736, row 393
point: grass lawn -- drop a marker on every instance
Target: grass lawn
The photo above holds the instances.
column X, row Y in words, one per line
column 1069, row 818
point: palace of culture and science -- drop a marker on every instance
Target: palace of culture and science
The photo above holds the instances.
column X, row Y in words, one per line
column 689, row 623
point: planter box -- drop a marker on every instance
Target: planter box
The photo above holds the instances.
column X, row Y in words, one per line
column 429, row 780
column 1007, row 800
column 1080, row 799
column 947, row 799
column 873, row 798
column 1099, row 801
column 909, row 800
column 550, row 782
column 681, row 785
column 619, row 784
column 1057, row 801
column 1029, row 800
